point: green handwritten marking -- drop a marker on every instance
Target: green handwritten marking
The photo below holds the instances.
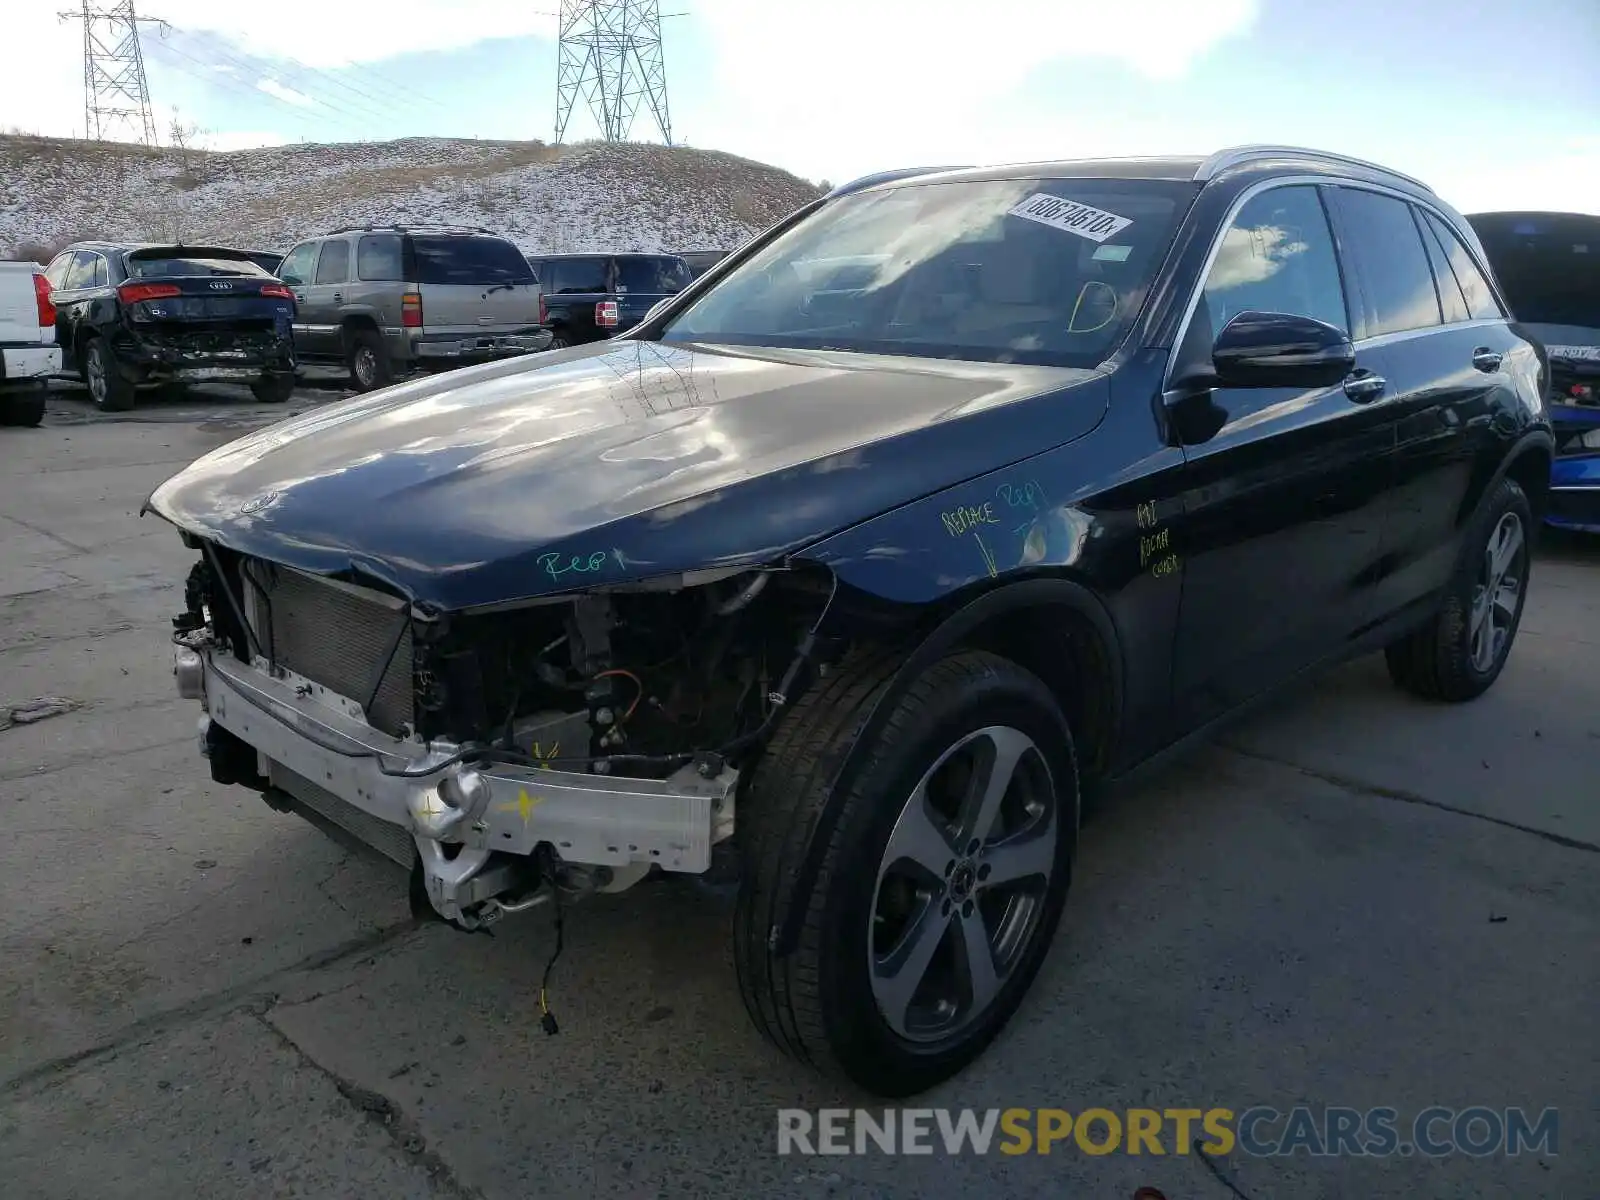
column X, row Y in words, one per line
column 1025, row 527
column 988, row 559
column 1145, row 514
column 1022, row 495
column 577, row 563
column 1156, row 543
column 967, row 517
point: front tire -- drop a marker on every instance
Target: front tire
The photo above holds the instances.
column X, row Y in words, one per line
column 940, row 886
column 1459, row 654
column 273, row 389
column 107, row 387
column 23, row 407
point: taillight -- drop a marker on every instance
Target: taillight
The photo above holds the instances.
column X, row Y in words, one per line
column 544, row 313
column 277, row 291
column 411, row 311
column 41, row 296
column 605, row 313
column 132, row 293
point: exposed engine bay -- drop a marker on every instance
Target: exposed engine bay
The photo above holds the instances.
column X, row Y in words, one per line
column 574, row 742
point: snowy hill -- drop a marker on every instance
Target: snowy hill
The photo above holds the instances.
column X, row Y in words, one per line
column 588, row 197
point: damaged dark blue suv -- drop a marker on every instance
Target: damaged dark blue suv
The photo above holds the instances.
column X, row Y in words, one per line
column 852, row 567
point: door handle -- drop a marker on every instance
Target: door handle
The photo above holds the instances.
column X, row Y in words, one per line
column 300, row 296
column 338, row 297
column 1486, row 360
column 1363, row 387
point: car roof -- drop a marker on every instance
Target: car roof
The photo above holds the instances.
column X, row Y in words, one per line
column 1197, row 169
column 606, row 254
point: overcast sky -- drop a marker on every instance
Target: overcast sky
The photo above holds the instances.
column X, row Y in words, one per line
column 1495, row 104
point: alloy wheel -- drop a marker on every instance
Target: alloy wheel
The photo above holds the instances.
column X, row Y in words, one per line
column 366, row 366
column 95, row 369
column 1498, row 592
column 962, row 883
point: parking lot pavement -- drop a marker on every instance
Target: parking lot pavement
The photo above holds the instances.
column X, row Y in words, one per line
column 1356, row 900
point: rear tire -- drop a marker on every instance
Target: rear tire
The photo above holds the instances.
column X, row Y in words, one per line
column 273, row 389
column 559, row 342
column 370, row 367
column 845, row 1001
column 107, row 387
column 1459, row 654
column 23, row 406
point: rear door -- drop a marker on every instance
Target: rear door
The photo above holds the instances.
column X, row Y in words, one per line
column 643, row 281
column 1429, row 327
column 473, row 285
column 572, row 289
column 1285, row 488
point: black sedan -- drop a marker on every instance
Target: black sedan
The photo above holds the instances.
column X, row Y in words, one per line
column 129, row 316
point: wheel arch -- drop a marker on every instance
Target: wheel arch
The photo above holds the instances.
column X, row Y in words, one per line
column 1055, row 627
column 1528, row 462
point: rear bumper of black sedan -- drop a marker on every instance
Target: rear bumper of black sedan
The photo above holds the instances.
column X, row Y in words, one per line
column 204, row 356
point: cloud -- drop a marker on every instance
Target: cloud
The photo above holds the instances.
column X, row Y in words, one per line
column 273, row 88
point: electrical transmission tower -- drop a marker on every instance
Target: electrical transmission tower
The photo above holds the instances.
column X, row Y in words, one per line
column 611, row 57
column 116, row 95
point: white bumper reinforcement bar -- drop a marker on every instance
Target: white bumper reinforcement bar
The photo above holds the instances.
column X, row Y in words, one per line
column 586, row 818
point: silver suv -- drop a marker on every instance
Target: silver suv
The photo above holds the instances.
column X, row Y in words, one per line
column 385, row 300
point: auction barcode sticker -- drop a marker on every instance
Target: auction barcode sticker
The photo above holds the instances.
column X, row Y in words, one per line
column 1082, row 219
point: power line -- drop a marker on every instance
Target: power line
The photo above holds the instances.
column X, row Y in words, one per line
column 116, row 93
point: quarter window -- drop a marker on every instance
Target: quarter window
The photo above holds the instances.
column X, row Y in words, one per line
column 1387, row 248
column 1277, row 256
column 1480, row 296
column 297, row 265
column 333, row 265
column 56, row 272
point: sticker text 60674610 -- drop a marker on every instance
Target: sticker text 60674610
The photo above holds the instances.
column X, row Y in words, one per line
column 1082, row 219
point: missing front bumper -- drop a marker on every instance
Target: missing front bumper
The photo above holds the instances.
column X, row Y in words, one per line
column 472, row 829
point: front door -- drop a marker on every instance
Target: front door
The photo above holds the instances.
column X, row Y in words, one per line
column 321, row 309
column 1286, row 489
column 298, row 269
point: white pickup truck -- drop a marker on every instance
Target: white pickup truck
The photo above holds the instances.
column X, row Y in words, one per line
column 28, row 350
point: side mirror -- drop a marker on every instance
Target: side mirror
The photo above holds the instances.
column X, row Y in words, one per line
column 1270, row 350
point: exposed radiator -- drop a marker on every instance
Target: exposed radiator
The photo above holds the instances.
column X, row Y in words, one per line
column 337, row 635
column 391, row 841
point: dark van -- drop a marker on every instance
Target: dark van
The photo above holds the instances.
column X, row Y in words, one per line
column 590, row 297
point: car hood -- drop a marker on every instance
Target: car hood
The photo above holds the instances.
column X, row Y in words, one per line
column 612, row 463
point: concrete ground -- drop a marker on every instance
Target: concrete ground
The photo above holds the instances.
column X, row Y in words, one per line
column 1355, row 900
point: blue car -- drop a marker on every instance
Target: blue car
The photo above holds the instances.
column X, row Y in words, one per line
column 1548, row 265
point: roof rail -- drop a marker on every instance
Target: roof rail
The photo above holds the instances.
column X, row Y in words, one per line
column 434, row 228
column 866, row 181
column 1235, row 156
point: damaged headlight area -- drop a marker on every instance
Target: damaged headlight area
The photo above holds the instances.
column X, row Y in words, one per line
column 576, row 742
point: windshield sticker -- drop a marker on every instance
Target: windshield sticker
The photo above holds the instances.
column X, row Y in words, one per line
column 1586, row 353
column 1087, row 222
column 1111, row 253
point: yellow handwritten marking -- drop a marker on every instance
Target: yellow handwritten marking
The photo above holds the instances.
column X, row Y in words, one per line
column 555, row 752
column 988, row 559
column 1166, row 566
column 967, row 516
column 523, row 805
column 1145, row 514
column 1156, row 543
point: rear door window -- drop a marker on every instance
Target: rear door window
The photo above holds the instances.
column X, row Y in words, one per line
column 378, row 258
column 576, row 276
column 1480, row 296
column 655, row 276
column 1451, row 299
column 473, row 261
column 333, row 265
column 1391, row 261
column 81, row 274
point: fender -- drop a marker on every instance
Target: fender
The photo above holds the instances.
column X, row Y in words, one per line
column 1027, row 593
column 1530, row 441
